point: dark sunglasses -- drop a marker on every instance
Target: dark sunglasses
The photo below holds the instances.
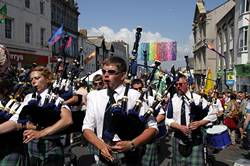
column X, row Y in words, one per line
column 110, row 72
column 98, row 83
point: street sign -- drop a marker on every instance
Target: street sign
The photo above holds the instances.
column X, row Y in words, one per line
column 230, row 82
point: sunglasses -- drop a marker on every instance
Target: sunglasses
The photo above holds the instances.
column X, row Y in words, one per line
column 98, row 83
column 110, row 72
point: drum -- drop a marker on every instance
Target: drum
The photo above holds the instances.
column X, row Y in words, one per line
column 162, row 131
column 218, row 137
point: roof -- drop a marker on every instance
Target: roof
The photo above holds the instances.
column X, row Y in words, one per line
column 109, row 46
column 96, row 41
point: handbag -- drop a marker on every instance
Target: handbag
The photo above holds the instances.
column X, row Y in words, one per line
column 230, row 123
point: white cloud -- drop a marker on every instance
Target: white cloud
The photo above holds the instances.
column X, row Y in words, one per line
column 128, row 36
column 185, row 48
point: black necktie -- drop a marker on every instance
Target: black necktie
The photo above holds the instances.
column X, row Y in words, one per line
column 183, row 114
column 38, row 97
column 106, row 135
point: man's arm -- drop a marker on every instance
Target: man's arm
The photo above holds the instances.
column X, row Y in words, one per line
column 8, row 126
column 98, row 143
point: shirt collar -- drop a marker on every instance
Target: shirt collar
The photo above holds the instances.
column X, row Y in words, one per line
column 119, row 89
column 43, row 94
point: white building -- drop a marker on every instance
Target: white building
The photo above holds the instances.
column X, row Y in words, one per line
column 26, row 31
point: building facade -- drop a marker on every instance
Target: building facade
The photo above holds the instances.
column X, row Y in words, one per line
column 241, row 44
column 65, row 13
column 86, row 48
column 225, row 40
column 205, row 36
column 26, row 30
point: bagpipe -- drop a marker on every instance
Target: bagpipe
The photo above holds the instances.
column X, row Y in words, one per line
column 197, row 112
column 47, row 113
column 128, row 125
column 41, row 115
column 12, row 102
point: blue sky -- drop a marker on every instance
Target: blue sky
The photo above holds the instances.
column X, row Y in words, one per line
column 160, row 19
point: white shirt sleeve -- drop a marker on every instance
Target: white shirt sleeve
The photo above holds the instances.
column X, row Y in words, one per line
column 89, row 119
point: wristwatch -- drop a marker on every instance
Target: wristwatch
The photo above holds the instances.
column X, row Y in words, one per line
column 132, row 146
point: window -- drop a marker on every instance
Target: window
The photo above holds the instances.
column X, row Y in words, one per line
column 27, row 33
column 27, row 3
column 244, row 6
column 8, row 28
column 42, row 33
column 41, row 7
column 243, row 39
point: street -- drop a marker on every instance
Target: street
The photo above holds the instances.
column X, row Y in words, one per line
column 226, row 157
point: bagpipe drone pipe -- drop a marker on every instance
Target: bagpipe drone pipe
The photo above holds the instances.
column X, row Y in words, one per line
column 10, row 104
column 128, row 125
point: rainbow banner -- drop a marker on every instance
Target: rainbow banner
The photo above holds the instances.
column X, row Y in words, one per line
column 162, row 51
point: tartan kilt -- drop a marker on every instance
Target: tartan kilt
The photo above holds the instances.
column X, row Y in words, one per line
column 14, row 159
column 150, row 158
column 92, row 149
column 44, row 148
column 195, row 159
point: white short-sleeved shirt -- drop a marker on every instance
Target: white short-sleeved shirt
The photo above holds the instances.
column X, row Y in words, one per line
column 96, row 104
column 177, row 102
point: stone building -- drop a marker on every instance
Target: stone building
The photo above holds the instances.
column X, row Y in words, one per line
column 205, row 33
column 26, row 30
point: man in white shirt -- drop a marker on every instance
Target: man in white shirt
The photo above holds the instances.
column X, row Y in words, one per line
column 187, row 140
column 114, row 72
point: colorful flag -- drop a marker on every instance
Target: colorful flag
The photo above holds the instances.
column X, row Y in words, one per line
column 56, row 36
column 68, row 44
column 89, row 57
column 209, row 82
column 3, row 13
column 163, row 51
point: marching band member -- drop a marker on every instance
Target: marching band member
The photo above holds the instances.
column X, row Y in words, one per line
column 44, row 146
column 188, row 152
column 97, row 82
column 114, row 72
column 217, row 106
column 151, row 148
column 12, row 151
